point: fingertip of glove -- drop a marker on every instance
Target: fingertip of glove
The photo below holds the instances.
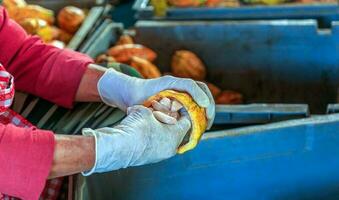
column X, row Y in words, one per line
column 205, row 102
column 205, row 94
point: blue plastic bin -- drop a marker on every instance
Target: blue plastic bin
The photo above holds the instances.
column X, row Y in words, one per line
column 272, row 62
column 324, row 12
column 269, row 62
column 281, row 61
column 288, row 160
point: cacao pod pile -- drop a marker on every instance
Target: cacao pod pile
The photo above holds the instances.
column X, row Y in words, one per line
column 208, row 3
column 237, row 3
column 31, row 11
column 184, row 64
column 137, row 56
column 123, row 53
column 40, row 21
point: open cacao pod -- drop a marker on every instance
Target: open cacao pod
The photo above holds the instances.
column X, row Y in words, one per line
column 195, row 112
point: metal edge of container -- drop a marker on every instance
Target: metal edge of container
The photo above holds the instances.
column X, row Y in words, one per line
column 317, row 119
column 259, row 113
column 277, row 22
column 102, row 42
column 101, row 39
column 329, row 10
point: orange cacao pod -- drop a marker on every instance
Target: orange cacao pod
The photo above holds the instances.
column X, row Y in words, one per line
column 70, row 18
column 186, row 64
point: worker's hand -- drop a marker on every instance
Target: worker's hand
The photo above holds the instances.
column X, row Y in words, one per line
column 120, row 90
column 139, row 139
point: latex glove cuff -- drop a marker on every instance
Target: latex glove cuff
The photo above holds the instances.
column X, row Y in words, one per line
column 105, row 90
column 107, row 154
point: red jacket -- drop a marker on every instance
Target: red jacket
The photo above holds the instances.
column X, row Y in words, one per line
column 53, row 74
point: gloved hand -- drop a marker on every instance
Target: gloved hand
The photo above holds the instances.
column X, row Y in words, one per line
column 122, row 91
column 139, row 139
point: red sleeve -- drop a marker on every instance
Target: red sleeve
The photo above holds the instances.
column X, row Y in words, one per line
column 40, row 69
column 26, row 157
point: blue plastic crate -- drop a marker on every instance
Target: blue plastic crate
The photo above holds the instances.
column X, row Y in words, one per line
column 268, row 61
column 325, row 13
column 282, row 61
column 296, row 159
column 272, row 62
column 279, row 107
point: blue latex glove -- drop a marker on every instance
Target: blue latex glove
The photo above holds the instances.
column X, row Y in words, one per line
column 139, row 139
column 122, row 91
